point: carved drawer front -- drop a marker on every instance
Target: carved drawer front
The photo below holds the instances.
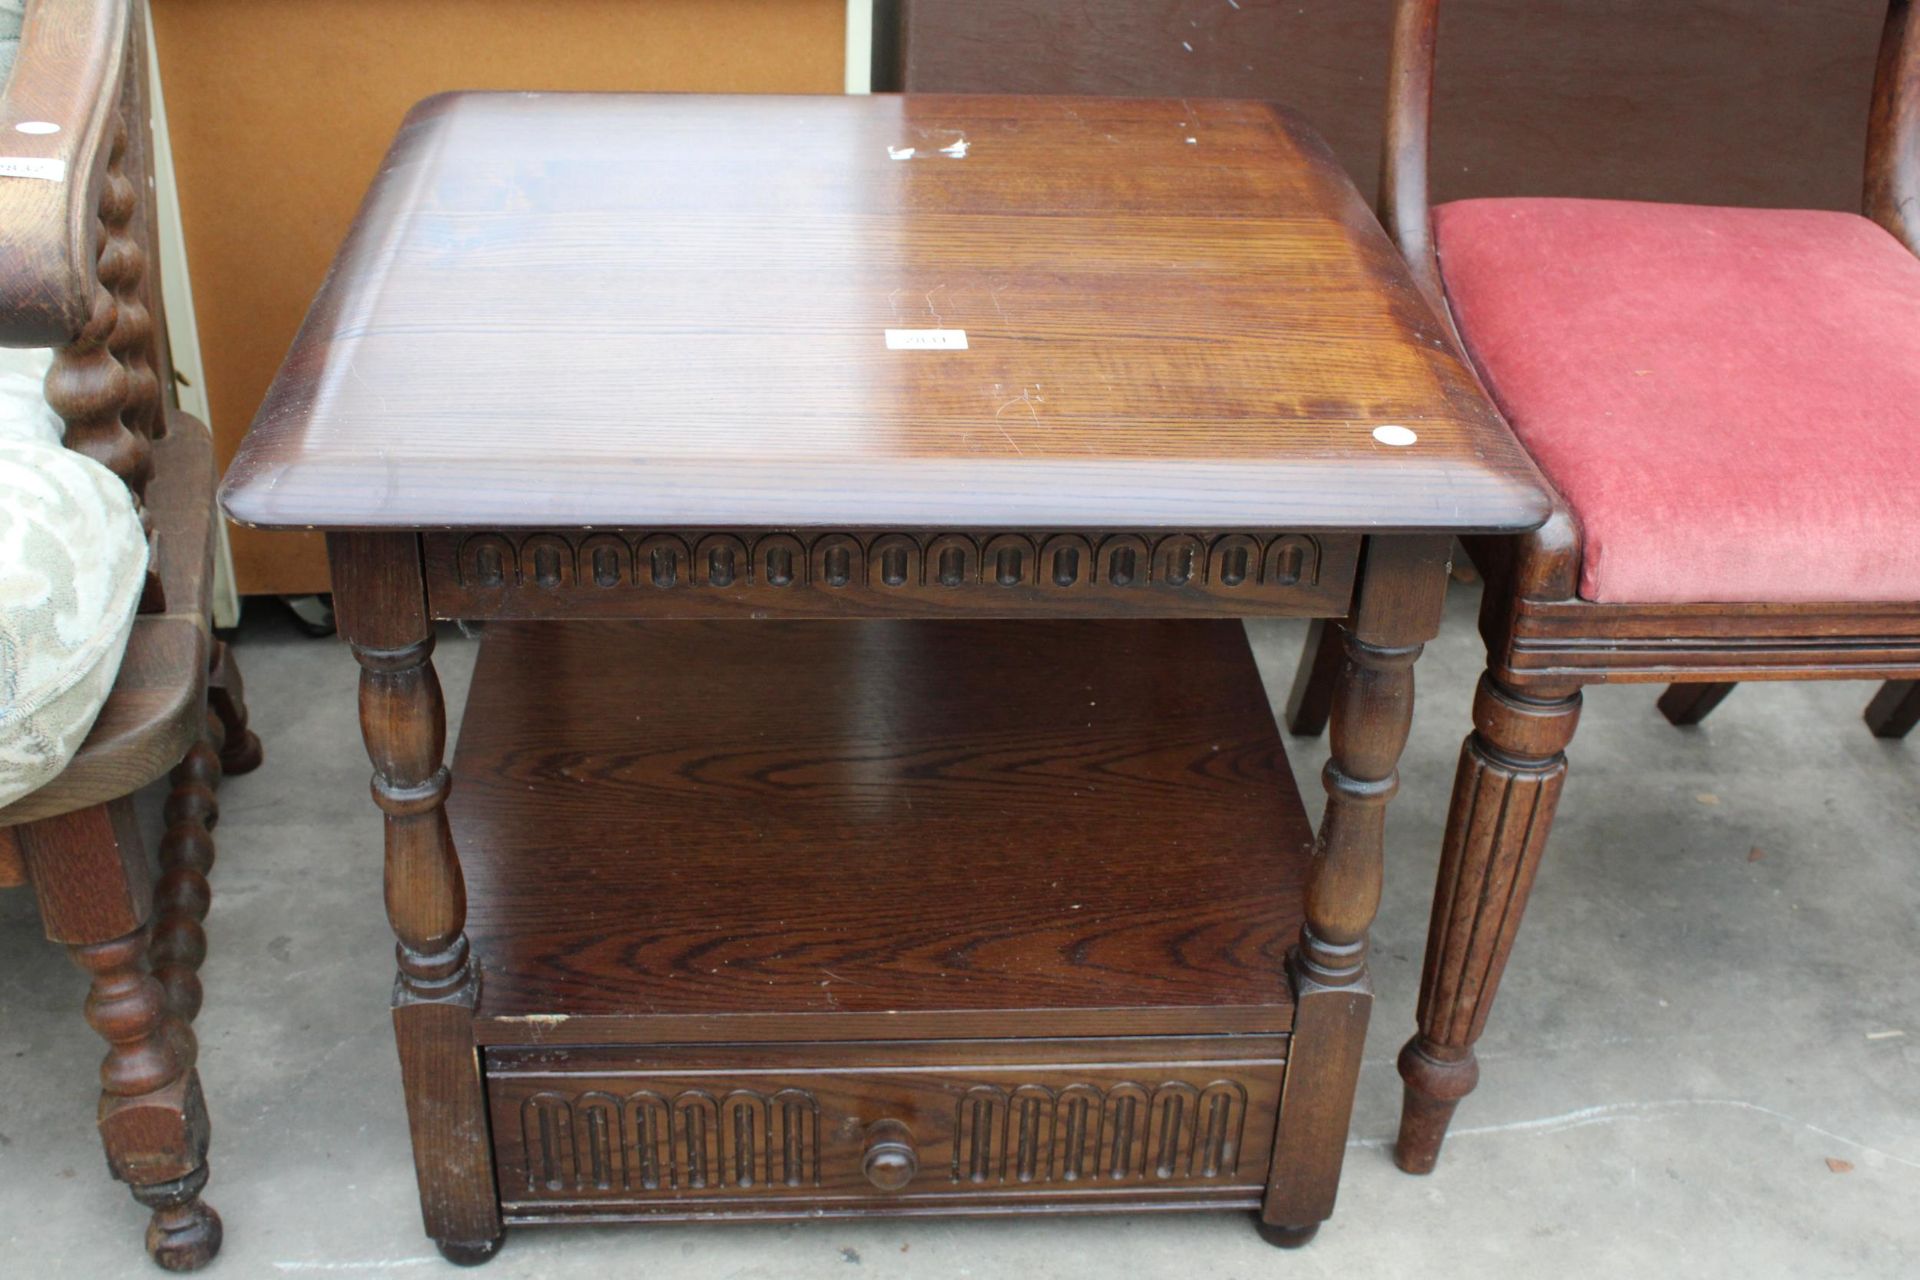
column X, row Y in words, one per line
column 591, row 1131
column 534, row 574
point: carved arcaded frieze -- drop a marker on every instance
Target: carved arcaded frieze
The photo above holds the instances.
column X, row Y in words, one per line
column 887, row 561
column 1127, row 1133
column 603, row 1143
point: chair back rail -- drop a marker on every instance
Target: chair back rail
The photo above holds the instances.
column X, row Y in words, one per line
column 1892, row 188
column 1893, row 132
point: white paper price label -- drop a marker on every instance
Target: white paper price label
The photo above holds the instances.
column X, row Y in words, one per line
column 926, row 339
column 33, row 167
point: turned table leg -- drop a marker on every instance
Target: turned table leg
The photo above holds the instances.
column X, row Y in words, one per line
column 89, row 874
column 1401, row 597
column 1504, row 795
column 381, row 607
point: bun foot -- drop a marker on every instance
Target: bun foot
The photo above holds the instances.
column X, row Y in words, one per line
column 242, row 755
column 462, row 1253
column 1284, row 1237
column 184, row 1237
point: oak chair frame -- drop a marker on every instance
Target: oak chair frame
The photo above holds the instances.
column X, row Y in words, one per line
column 77, row 274
column 1544, row 643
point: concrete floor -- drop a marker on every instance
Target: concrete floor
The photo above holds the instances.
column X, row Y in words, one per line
column 1689, row 1034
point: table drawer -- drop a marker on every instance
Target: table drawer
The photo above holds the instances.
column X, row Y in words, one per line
column 727, row 1128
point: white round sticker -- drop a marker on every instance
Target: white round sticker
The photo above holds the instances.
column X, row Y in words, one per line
column 37, row 126
column 1397, row 436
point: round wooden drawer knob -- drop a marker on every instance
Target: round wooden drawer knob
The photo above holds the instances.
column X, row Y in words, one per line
column 890, row 1162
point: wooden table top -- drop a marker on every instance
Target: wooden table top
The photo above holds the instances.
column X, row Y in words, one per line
column 577, row 310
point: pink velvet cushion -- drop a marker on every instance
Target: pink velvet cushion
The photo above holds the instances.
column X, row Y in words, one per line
column 1729, row 399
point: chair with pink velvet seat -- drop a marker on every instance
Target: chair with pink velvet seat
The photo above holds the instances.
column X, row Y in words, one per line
column 1728, row 404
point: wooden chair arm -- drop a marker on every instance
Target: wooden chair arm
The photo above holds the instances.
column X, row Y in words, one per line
column 68, row 73
column 158, row 705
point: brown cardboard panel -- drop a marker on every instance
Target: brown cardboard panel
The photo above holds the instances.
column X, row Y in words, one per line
column 281, row 109
column 1752, row 102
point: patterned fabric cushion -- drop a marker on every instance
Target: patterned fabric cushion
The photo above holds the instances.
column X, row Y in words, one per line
column 72, row 564
column 24, row 411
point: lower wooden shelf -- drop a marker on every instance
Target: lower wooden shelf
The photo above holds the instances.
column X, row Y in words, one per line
column 781, row 919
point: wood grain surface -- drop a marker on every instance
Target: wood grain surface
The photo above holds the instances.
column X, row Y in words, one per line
column 860, row 830
column 562, row 310
column 753, row 1129
column 280, row 110
column 1544, row 643
column 57, row 129
column 1744, row 102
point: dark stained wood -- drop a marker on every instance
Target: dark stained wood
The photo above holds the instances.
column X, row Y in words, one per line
column 89, row 872
column 1504, row 795
column 1544, row 642
column 1404, row 175
column 905, row 1126
column 1743, row 102
column 146, row 726
column 1091, row 832
column 157, row 708
column 90, row 877
column 13, row 863
column 1396, row 611
column 1089, row 829
column 546, row 383
column 380, row 603
column 77, row 248
column 239, row 746
column 182, row 896
column 311, row 94
column 1689, row 704
column 72, row 56
column 1893, row 137
column 1162, row 333
column 890, row 1161
column 1310, row 701
column 76, row 239
column 750, row 573
column 1895, row 709
column 1568, row 639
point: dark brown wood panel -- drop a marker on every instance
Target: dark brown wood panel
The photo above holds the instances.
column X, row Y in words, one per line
column 687, row 831
column 735, row 1128
column 1747, row 102
column 619, row 310
column 751, row 573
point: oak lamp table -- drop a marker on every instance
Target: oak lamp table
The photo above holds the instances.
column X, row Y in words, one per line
column 867, row 802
